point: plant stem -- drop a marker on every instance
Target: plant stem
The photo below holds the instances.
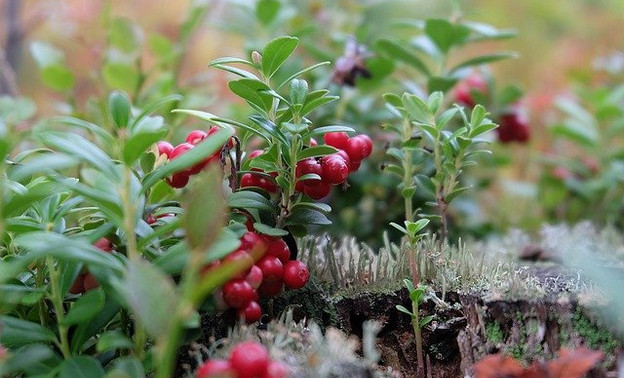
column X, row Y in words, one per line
column 418, row 337
column 57, row 302
column 39, row 280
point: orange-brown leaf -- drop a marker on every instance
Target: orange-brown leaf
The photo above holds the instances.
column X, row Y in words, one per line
column 574, row 363
column 498, row 366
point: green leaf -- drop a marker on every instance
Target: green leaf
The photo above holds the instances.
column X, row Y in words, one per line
column 24, row 358
column 404, row 310
column 426, row 320
column 409, row 285
column 509, row 95
column 150, row 294
column 204, row 210
column 57, row 77
column 85, row 308
column 484, row 59
column 84, row 331
column 442, row 84
column 295, row 128
column 237, row 71
column 444, row 34
column 81, row 149
column 127, row 367
column 298, row 91
column 206, row 148
column 329, row 129
column 121, row 75
column 315, row 151
column 395, row 169
column 229, row 60
column 303, row 216
column 319, row 206
column 42, row 243
column 17, row 332
column 222, row 121
column 408, row 192
column 84, row 125
column 434, row 101
column 247, row 199
column 276, row 52
column 113, row 340
column 125, row 35
column 119, row 108
column 310, row 105
column 266, row 10
column 81, row 367
column 415, row 227
column 268, row 230
column 416, row 107
column 270, row 128
column 399, row 227
column 254, row 92
column 20, row 294
column 149, row 131
column 398, row 52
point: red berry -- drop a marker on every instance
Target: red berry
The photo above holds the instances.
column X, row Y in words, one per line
column 336, row 139
column 513, row 127
column 305, row 167
column 90, row 282
column 195, row 137
column 355, row 165
column 266, row 184
column 78, row 286
column 180, row 150
column 237, row 293
column 249, row 359
column 178, row 180
column 250, row 240
column 272, row 269
column 335, row 169
column 254, row 277
column 359, row 147
column 463, row 90
column 251, row 313
column 164, row 148
column 104, row 244
column 277, row 247
column 318, row 191
column 212, row 130
column 215, row 369
column 255, row 153
column 248, row 179
column 277, row 369
column 243, row 261
column 313, row 142
column 296, row 274
column 269, row 289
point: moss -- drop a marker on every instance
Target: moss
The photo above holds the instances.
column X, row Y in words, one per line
column 596, row 337
column 494, row 333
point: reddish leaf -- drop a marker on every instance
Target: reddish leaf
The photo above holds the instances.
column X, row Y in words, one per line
column 574, row 363
column 498, row 366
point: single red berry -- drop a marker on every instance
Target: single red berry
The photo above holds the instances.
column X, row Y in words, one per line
column 266, row 184
column 304, row 167
column 215, row 369
column 164, row 148
column 248, row 179
column 318, row 191
column 78, row 286
column 178, row 180
column 513, row 127
column 359, row 147
column 104, row 245
column 243, row 261
column 249, row 359
column 269, row 289
column 277, row 247
column 464, row 90
column 237, row 293
column 250, row 240
column 296, row 274
column 335, row 169
column 195, row 137
column 255, row 153
column 336, row 139
column 313, row 142
column 254, row 277
column 90, row 282
column 251, row 313
column 272, row 268
column 355, row 165
column 277, row 369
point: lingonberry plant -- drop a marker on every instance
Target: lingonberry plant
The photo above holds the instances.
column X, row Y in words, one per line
column 278, row 186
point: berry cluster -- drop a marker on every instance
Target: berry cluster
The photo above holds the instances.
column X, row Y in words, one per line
column 85, row 280
column 180, row 179
column 335, row 168
column 266, row 268
column 261, row 180
column 247, row 359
